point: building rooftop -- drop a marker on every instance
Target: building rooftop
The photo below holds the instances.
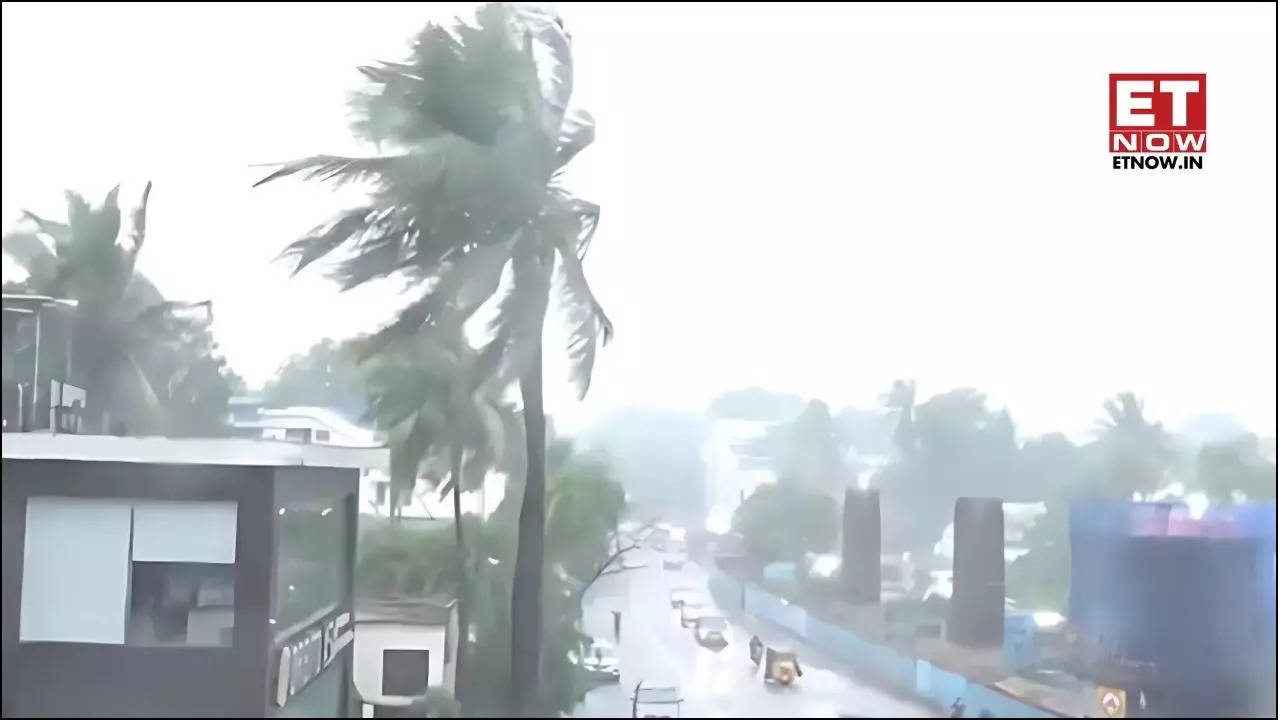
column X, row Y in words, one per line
column 416, row 611
column 186, row 451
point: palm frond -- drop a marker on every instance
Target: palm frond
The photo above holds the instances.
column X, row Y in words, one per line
column 30, row 252
column 588, row 321
column 138, row 234
column 516, row 330
column 577, row 132
column 410, row 445
column 473, row 275
column 552, row 60
column 60, row 232
column 324, row 239
column 336, row 168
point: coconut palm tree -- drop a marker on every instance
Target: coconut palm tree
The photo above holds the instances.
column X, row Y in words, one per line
column 420, row 393
column 467, row 202
column 142, row 360
column 1137, row 451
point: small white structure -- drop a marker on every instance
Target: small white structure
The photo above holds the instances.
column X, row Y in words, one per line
column 402, row 647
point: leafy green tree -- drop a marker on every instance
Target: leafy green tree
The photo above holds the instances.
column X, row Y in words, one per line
column 1041, row 579
column 328, row 375
column 148, row 364
column 952, row 446
column 474, row 130
column 584, row 505
column 1237, row 466
column 1137, row 451
column 421, row 394
column 805, row 450
column 582, row 497
column 783, row 521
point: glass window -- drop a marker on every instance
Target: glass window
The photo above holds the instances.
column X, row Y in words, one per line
column 174, row 603
column 321, row 435
column 404, row 672
column 184, row 532
column 148, row 572
column 75, row 570
column 311, row 570
column 297, row 434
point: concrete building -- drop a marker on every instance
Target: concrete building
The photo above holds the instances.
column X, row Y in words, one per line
column 323, row 426
column 402, row 647
column 153, row 577
column 35, row 356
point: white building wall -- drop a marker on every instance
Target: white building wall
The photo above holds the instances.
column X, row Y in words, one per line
column 372, row 638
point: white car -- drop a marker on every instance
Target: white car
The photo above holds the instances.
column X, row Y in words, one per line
column 601, row 661
column 710, row 631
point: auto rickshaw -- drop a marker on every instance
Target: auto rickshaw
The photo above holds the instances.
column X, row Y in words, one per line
column 781, row 667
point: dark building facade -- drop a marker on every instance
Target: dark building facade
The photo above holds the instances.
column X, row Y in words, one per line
column 152, row 577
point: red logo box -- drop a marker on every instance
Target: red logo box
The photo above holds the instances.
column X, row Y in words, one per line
column 1157, row 113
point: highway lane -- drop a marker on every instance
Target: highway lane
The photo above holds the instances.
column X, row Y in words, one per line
column 655, row 649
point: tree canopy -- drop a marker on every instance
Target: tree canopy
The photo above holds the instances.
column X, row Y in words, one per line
column 326, row 375
column 149, row 365
column 783, row 521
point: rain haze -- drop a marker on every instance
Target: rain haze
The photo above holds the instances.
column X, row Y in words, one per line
column 639, row 360
column 812, row 199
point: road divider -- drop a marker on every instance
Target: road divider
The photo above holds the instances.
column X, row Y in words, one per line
column 903, row 673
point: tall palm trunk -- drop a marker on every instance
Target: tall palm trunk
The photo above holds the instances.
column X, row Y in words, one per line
column 464, row 585
column 526, row 587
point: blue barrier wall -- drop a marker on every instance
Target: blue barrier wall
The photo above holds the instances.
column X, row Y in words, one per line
column 979, row 697
column 899, row 672
column 725, row 591
column 777, row 611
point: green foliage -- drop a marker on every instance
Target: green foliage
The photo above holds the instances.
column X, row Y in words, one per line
column 1041, row 579
column 583, row 501
column 479, row 131
column 782, row 522
column 1137, row 452
column 951, row 446
column 1236, row 466
column 421, row 394
column 584, row 505
column 326, row 375
column 150, row 364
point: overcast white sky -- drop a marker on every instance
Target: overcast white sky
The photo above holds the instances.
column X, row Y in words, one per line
column 815, row 199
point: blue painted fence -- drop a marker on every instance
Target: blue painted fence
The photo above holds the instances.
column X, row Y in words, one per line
column 900, row 672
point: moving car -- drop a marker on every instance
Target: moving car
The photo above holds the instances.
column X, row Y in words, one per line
column 781, row 667
column 674, row 562
column 710, row 631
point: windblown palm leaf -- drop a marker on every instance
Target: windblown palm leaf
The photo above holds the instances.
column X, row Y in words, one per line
column 146, row 361
column 478, row 126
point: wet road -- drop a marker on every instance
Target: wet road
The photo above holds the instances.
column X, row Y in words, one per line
column 656, row 650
